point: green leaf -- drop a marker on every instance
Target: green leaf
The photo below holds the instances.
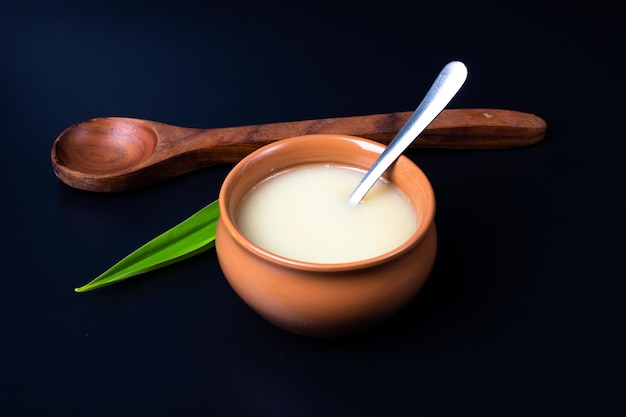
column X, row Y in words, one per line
column 194, row 235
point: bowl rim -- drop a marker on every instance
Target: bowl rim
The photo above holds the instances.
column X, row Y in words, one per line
column 366, row 145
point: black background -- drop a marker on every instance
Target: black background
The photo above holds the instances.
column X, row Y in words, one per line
column 523, row 314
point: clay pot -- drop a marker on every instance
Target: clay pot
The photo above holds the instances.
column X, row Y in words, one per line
column 324, row 300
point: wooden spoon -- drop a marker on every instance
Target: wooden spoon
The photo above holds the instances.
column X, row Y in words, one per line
column 115, row 154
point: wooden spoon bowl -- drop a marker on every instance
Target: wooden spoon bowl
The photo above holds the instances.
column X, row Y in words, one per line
column 106, row 146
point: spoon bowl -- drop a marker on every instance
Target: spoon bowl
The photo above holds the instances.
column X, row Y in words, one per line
column 106, row 146
column 116, row 154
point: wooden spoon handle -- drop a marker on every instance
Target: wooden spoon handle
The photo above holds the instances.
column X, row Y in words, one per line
column 452, row 129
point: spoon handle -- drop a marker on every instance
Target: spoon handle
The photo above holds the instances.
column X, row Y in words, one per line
column 478, row 128
column 445, row 87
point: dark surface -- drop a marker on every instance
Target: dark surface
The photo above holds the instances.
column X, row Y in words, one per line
column 523, row 314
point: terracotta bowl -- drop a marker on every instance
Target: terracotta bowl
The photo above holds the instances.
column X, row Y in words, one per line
column 324, row 300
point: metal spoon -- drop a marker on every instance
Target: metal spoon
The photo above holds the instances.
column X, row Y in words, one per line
column 446, row 85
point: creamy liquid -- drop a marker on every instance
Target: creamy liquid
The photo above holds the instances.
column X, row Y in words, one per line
column 304, row 214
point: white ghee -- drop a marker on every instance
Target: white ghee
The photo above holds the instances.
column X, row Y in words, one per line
column 304, row 214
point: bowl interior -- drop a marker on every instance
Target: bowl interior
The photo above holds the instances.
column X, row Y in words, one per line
column 330, row 149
